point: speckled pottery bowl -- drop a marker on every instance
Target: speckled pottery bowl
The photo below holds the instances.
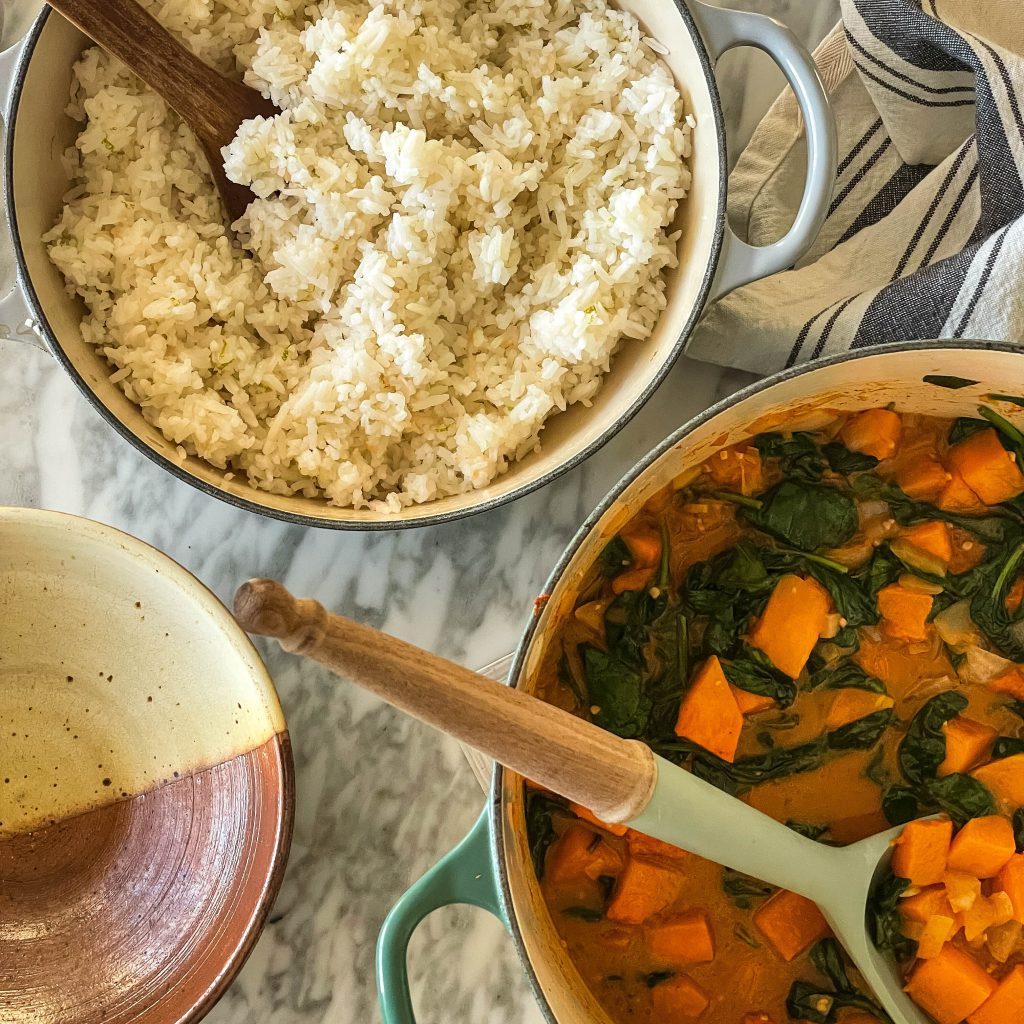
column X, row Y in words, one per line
column 712, row 260
column 146, row 781
column 492, row 867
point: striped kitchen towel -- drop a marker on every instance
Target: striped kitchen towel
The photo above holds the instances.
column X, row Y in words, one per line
column 925, row 231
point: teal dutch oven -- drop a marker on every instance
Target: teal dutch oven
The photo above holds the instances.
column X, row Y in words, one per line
column 492, row 868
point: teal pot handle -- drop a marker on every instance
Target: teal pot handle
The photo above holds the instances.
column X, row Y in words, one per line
column 724, row 30
column 465, row 875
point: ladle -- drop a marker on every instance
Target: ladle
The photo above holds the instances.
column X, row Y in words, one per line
column 621, row 781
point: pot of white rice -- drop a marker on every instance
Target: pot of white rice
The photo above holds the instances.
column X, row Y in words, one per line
column 481, row 234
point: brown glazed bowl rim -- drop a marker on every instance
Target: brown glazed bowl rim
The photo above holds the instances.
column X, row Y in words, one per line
column 210, row 604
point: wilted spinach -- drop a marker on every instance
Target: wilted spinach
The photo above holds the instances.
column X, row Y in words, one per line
column 923, row 748
column 965, row 427
column 808, row 1002
column 806, row 829
column 847, row 674
column 885, row 920
column 847, row 462
column 1007, row 746
column 1018, row 829
column 540, row 832
column 615, row 557
column 805, row 515
column 756, row 674
column 744, row 890
column 616, row 689
column 798, row 454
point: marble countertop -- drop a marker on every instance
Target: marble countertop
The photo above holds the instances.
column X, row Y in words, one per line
column 380, row 797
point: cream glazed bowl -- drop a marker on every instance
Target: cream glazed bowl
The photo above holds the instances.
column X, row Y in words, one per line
column 146, row 781
column 712, row 260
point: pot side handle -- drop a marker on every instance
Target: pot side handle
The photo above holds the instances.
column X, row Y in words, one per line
column 724, row 30
column 465, row 875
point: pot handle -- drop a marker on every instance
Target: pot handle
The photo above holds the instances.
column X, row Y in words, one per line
column 723, row 29
column 465, row 875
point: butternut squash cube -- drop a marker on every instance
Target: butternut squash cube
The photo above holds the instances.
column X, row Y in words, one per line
column 904, row 612
column 1011, row 881
column 682, row 939
column 790, row 923
column 925, row 904
column 967, row 744
column 956, row 496
column 950, row 986
column 921, row 851
column 1004, row 778
column 709, row 714
column 737, row 470
column 851, row 705
column 1006, row 1004
column 794, row 618
column 923, row 479
column 642, row 890
column 937, row 932
column 934, row 538
column 874, row 432
column 987, row 467
column 679, row 998
column 983, row 846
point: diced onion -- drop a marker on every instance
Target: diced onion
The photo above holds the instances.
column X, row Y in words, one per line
column 955, row 626
column 981, row 666
column 918, row 585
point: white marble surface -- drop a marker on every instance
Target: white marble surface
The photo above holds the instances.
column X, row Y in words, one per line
column 380, row 798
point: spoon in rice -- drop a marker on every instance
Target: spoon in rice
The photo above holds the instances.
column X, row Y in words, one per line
column 621, row 781
column 210, row 104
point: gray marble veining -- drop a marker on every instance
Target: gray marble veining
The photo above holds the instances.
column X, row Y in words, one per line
column 380, row 797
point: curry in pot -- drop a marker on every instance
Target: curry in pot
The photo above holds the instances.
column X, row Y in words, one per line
column 826, row 624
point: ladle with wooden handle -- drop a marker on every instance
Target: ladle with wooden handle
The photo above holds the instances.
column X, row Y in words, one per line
column 210, row 104
column 620, row 780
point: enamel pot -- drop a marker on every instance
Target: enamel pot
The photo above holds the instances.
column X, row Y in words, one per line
column 712, row 260
column 491, row 867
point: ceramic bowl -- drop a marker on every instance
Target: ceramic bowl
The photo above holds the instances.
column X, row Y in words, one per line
column 711, row 259
column 146, row 782
column 492, row 867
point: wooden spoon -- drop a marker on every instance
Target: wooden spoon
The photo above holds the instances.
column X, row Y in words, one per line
column 621, row 781
column 210, row 104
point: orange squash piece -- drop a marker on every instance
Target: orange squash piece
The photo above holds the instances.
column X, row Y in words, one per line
column 790, row 923
column 682, row 939
column 851, row 705
column 934, row 537
column 794, row 618
column 642, row 890
column 1004, row 778
column 633, row 579
column 709, row 714
column 950, row 986
column 983, row 846
column 874, row 432
column 751, row 703
column 963, row 890
column 1011, row 881
column 923, row 479
column 679, row 998
column 938, row 930
column 587, row 815
column 925, row 904
column 967, row 744
column 1006, row 1004
column 580, row 854
column 644, row 546
column 920, row 852
column 642, row 845
column 1010, row 682
column 737, row 470
column 956, row 496
column 904, row 612
column 987, row 467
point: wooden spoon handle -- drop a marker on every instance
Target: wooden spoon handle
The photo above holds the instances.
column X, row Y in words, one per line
column 612, row 777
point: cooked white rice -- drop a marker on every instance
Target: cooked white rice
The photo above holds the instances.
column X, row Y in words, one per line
column 462, row 210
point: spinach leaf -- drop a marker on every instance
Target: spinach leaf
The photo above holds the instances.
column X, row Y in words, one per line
column 900, row 805
column 831, row 961
column 961, row 797
column 798, row 455
column 806, row 516
column 847, row 462
column 988, row 610
column 1018, row 829
column 743, row 890
column 808, row 830
column 584, row 913
column 883, row 569
column 540, row 832
column 847, row 674
column 756, row 674
column 657, row 977
column 923, row 747
column 615, row 557
column 665, row 689
column 952, row 383
column 813, row 1003
column 744, row 935
column 885, row 921
column 851, row 598
column 1007, row 746
column 779, row 762
column 964, row 427
column 615, row 689
column 875, row 770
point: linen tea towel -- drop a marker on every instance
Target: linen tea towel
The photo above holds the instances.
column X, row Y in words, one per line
column 925, row 233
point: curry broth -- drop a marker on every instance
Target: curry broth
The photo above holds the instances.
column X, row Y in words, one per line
column 840, row 798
